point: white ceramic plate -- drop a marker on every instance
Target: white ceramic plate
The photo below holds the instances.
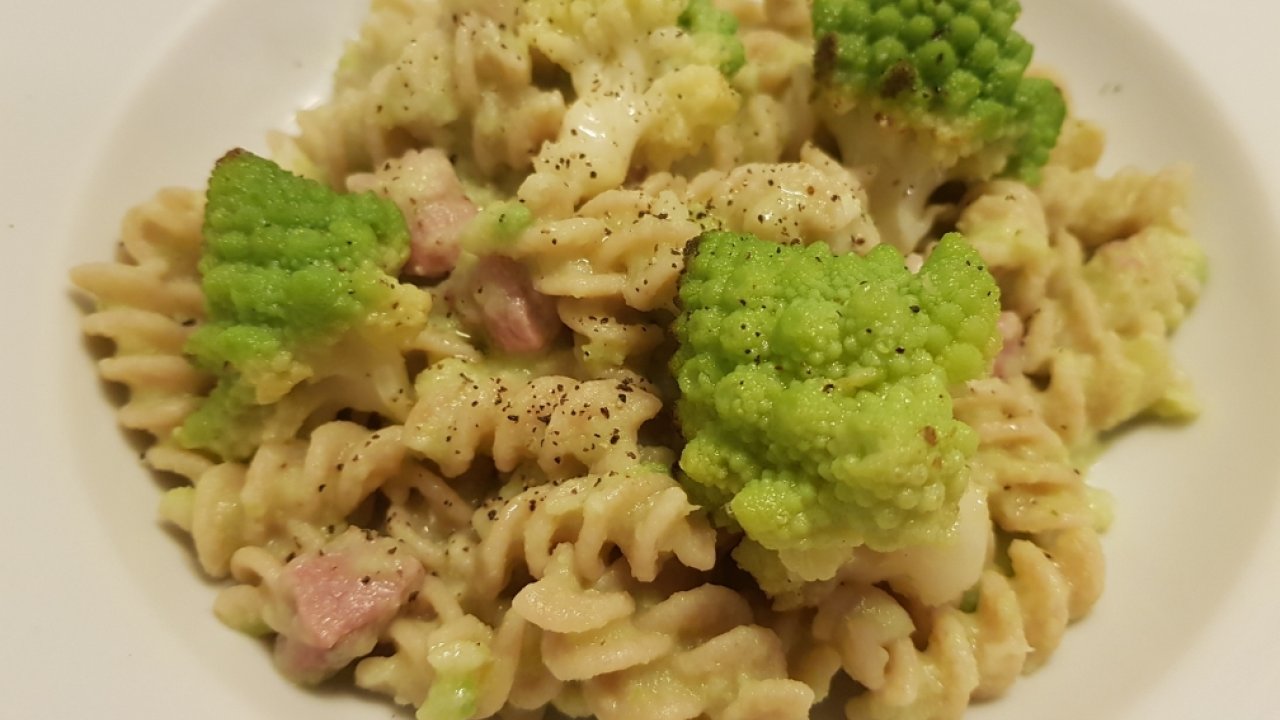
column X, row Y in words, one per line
column 102, row 612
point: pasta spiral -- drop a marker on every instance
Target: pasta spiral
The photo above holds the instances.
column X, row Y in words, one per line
column 447, row 75
column 1027, row 466
column 512, row 658
column 494, row 666
column 645, row 515
column 632, row 654
column 148, row 304
column 563, row 425
column 813, row 200
column 609, row 340
column 1016, row 624
column 623, row 244
column 482, row 511
column 290, row 496
column 1099, row 344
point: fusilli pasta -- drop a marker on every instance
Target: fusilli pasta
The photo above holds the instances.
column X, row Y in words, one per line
column 475, row 498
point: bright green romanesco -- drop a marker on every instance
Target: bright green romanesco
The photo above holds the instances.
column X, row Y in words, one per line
column 815, row 392
column 925, row 92
column 289, row 267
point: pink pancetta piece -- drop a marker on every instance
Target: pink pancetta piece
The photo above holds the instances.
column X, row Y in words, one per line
column 334, row 600
column 341, row 600
column 1008, row 361
column 425, row 187
column 499, row 296
column 304, row 663
column 436, row 234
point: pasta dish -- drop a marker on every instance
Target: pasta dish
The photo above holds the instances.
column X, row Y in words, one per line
column 657, row 359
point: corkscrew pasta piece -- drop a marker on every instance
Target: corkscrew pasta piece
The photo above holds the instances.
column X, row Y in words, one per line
column 462, row 667
column 931, row 662
column 622, row 244
column 1097, row 313
column 1111, row 369
column 563, row 425
column 505, row 663
column 1098, row 210
column 148, row 303
column 1027, row 466
column 648, row 95
column 609, row 339
column 1007, row 226
column 433, row 520
column 640, row 654
column 437, row 74
column 812, row 200
column 289, row 496
column 644, row 514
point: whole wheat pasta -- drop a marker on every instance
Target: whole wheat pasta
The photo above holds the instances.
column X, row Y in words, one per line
column 472, row 495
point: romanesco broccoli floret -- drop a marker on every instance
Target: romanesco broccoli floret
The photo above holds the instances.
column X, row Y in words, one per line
column 919, row 93
column 288, row 267
column 815, row 392
column 716, row 31
column 496, row 227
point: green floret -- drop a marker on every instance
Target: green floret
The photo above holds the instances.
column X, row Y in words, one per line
column 496, row 227
column 717, row 31
column 932, row 91
column 288, row 266
column 815, row 391
column 451, row 697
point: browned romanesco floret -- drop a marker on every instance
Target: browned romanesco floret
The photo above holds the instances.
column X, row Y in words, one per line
column 921, row 93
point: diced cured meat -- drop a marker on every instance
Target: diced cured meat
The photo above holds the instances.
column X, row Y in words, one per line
column 425, row 187
column 1008, row 360
column 499, row 297
column 340, row 600
column 334, row 600
column 436, row 234
column 305, row 663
